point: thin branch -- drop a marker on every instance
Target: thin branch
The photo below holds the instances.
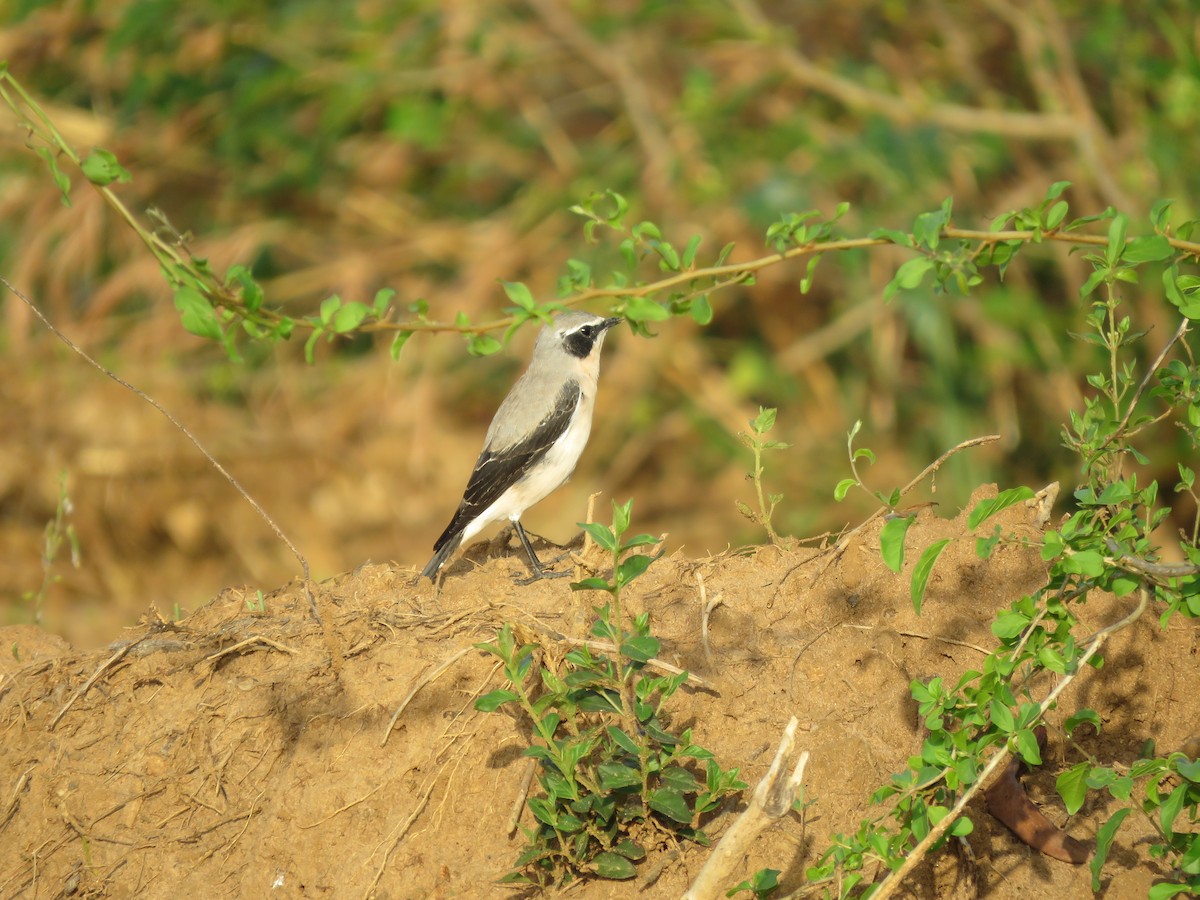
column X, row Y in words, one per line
column 225, row 473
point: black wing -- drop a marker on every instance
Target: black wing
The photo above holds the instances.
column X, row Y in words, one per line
column 496, row 472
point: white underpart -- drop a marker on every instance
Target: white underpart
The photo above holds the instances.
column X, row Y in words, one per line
column 544, row 478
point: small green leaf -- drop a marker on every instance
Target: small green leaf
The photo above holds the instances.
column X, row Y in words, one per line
column 1002, row 716
column 590, row 584
column 1104, row 839
column 398, row 343
column 101, row 167
column 988, row 508
column 891, row 541
column 642, row 309
column 1027, row 746
column 1083, row 717
column 1009, row 624
column 613, row 865
column 1088, row 563
column 614, row 776
column 196, row 313
column 482, row 345
column 519, row 294
column 383, row 299
column 640, row 647
column 633, row 566
column 1150, row 248
column 671, row 804
column 329, row 306
column 843, row 488
column 601, row 534
column 908, row 276
column 493, row 701
column 349, row 317
column 701, row 310
column 1072, row 786
column 923, row 569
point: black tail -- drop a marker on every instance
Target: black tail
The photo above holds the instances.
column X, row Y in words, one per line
column 442, row 549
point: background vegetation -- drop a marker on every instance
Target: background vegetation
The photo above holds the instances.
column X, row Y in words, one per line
column 436, row 148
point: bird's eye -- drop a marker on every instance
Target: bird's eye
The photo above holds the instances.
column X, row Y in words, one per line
column 587, row 331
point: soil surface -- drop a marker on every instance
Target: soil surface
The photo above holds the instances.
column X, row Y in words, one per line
column 247, row 754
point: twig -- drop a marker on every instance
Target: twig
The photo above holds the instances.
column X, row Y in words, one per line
column 111, row 661
column 893, row 881
column 772, row 799
column 428, row 678
column 925, row 637
column 16, row 797
column 226, row 474
column 254, row 639
column 518, row 806
column 706, row 608
column 343, row 808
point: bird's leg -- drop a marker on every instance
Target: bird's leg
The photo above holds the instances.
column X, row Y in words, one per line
column 534, row 563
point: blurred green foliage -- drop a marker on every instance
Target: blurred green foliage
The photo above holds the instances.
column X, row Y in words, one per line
column 434, row 148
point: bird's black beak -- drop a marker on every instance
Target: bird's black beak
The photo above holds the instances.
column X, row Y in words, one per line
column 609, row 323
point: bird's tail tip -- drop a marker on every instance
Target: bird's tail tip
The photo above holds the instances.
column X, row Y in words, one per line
column 440, row 556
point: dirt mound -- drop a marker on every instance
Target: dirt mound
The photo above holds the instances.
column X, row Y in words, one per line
column 246, row 751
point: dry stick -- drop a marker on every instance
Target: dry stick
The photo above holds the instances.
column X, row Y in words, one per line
column 112, row 660
column 241, row 645
column 16, row 797
column 924, row 637
column 342, row 809
column 844, row 541
column 429, row 678
column 228, row 476
column 772, row 799
column 518, row 807
column 894, row 880
column 653, row 662
column 706, row 608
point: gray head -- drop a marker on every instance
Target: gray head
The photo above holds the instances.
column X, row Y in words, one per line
column 578, row 334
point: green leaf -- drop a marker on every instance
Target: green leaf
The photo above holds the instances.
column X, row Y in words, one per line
column 1027, row 746
column 101, row 167
column 689, row 253
column 591, row 584
column 633, row 566
column 922, row 570
column 1150, row 248
column 349, row 317
column 701, row 310
column 1088, row 563
column 613, row 865
column 962, row 827
column 329, row 306
column 601, row 534
column 1009, row 624
column 1116, row 238
column 398, row 343
column 493, row 701
column 197, row 314
column 616, row 776
column 1001, row 715
column 671, row 804
column 908, row 276
column 1072, row 786
column 843, row 488
column 640, row 648
column 623, row 740
column 482, row 345
column 519, row 294
column 383, row 299
column 1104, row 839
column 988, row 508
column 891, row 541
column 642, row 309
column 1171, row 807
column 1084, row 716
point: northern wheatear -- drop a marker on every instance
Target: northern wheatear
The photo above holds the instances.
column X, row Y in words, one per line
column 536, row 436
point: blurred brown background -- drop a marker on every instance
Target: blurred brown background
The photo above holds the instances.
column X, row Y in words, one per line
column 435, row 148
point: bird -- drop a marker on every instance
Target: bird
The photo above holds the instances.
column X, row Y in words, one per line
column 536, row 436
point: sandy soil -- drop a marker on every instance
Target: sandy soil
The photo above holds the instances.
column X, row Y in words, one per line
column 246, row 754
